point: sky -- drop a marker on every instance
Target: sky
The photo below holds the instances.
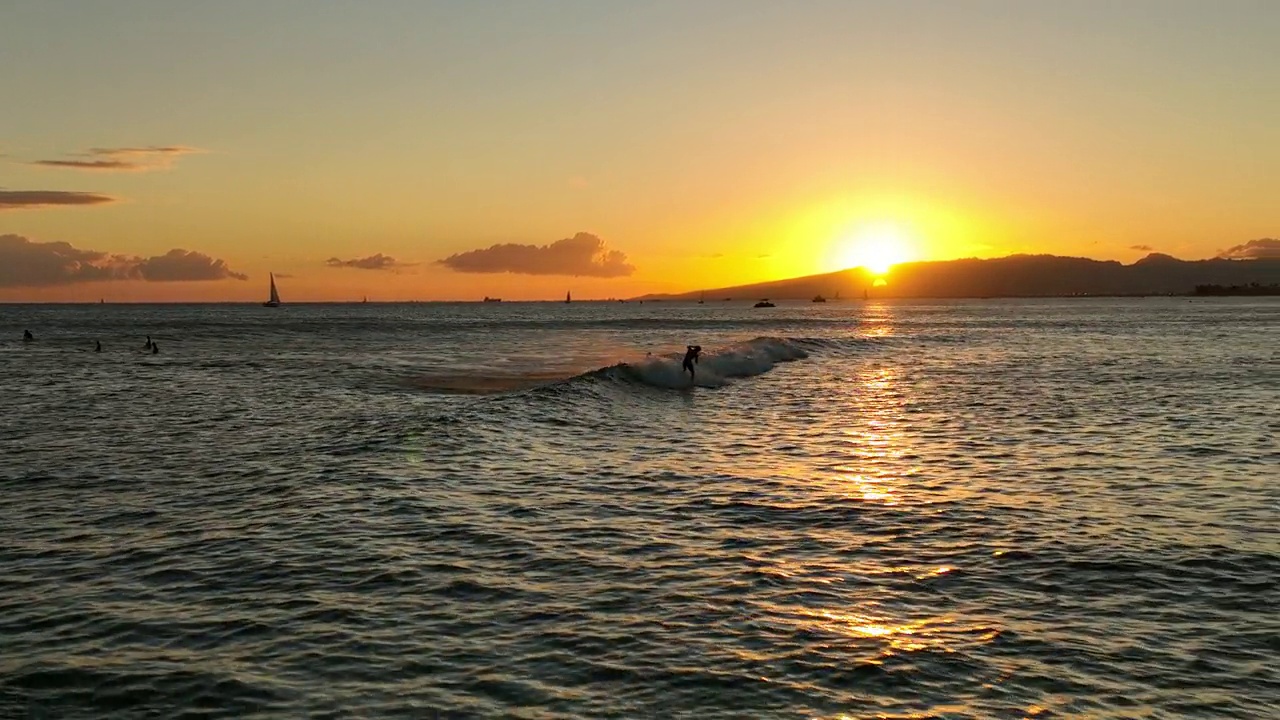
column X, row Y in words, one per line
column 175, row 150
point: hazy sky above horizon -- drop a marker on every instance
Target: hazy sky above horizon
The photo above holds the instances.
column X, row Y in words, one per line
column 352, row 146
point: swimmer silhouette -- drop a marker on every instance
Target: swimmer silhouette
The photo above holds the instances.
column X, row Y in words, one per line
column 155, row 349
column 148, row 345
column 97, row 346
column 691, row 357
column 27, row 336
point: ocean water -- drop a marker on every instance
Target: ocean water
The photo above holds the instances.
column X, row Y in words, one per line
column 983, row 509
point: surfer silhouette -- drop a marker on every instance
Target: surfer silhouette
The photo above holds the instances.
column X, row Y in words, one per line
column 148, row 345
column 691, row 358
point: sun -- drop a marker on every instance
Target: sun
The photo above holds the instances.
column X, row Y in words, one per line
column 875, row 247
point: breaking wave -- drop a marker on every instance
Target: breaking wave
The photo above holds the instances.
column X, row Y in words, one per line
column 717, row 367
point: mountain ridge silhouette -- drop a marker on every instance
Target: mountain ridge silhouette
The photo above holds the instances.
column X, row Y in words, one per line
column 1011, row 276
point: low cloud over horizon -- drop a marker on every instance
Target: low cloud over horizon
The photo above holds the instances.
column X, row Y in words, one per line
column 373, row 262
column 1268, row 248
column 126, row 159
column 583, row 254
column 24, row 263
column 1142, row 248
column 25, row 199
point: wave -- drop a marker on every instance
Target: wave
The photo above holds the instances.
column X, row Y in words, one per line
column 716, row 368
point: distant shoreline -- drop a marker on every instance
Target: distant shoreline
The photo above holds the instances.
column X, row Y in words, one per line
column 1247, row 292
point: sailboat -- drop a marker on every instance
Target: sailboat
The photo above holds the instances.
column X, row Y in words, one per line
column 702, row 299
column 568, row 298
column 275, row 296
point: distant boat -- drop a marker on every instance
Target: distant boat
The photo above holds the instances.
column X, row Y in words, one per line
column 568, row 298
column 702, row 299
column 489, row 299
column 819, row 298
column 275, row 296
column 365, row 300
column 866, row 294
column 764, row 303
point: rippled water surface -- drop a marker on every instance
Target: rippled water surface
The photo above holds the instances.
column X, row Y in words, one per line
column 927, row 510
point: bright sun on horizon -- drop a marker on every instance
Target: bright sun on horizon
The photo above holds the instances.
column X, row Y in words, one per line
column 875, row 247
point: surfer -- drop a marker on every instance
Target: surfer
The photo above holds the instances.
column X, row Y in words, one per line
column 691, row 357
column 27, row 336
column 97, row 346
column 148, row 345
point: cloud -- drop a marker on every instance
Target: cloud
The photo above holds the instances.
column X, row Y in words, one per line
column 373, row 262
column 24, row 263
column 582, row 254
column 125, row 159
column 20, row 199
column 184, row 266
column 89, row 164
column 1142, row 248
column 1254, row 249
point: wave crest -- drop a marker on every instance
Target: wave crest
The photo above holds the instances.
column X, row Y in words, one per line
column 716, row 368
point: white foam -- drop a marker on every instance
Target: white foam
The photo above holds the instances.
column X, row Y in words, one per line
column 717, row 368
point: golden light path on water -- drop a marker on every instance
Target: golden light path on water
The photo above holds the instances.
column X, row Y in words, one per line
column 879, row 468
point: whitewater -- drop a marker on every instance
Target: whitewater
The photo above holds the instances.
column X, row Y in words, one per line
column 967, row 509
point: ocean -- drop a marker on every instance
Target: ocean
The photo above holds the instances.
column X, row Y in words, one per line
column 966, row 509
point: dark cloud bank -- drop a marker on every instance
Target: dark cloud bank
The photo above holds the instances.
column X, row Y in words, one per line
column 20, row 199
column 24, row 263
column 373, row 262
column 583, row 254
column 1254, row 249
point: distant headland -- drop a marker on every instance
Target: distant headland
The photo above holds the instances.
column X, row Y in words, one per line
column 1020, row 276
column 1250, row 289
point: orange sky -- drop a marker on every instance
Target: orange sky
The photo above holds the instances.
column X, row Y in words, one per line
column 712, row 145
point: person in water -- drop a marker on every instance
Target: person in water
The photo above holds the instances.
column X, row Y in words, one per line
column 148, row 345
column 97, row 346
column 155, row 349
column 26, row 335
column 691, row 358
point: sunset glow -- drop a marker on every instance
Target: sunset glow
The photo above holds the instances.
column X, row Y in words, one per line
column 396, row 180
column 876, row 247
